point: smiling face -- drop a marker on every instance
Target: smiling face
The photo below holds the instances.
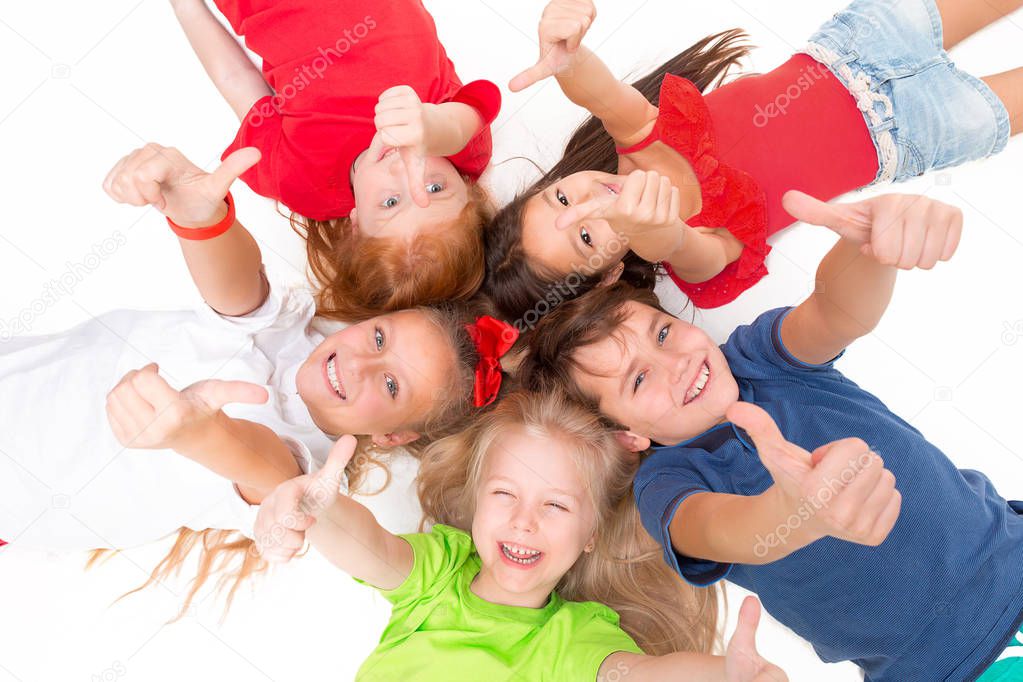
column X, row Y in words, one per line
column 573, row 248
column 383, row 205
column 534, row 518
column 662, row 378
column 381, row 377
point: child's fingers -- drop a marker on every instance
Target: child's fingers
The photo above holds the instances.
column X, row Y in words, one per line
column 887, row 519
column 393, row 118
column 780, row 457
column 398, row 91
column 217, row 393
column 573, row 215
column 153, row 388
column 232, row 168
column 955, row 233
column 675, row 207
column 415, row 168
column 108, row 181
column 913, row 237
column 534, row 74
column 663, row 209
column 745, row 636
column 647, row 206
column 333, row 471
column 846, row 221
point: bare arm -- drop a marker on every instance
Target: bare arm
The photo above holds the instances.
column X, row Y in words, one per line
column 238, row 80
column 448, row 127
column 340, row 528
column 227, row 269
column 704, row 253
column 583, row 77
column 856, row 279
column 250, row 454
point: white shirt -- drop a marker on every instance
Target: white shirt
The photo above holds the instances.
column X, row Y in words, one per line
column 65, row 481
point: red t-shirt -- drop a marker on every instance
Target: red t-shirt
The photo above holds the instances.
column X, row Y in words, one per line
column 327, row 63
column 751, row 141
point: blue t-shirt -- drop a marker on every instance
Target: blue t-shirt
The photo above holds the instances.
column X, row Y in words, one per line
column 938, row 599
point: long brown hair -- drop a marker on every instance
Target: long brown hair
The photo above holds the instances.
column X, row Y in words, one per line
column 625, row 571
column 359, row 277
column 232, row 557
column 517, row 285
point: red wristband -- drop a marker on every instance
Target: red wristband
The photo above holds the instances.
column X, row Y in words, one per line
column 203, row 233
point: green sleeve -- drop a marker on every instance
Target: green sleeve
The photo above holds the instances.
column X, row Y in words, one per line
column 597, row 636
column 437, row 557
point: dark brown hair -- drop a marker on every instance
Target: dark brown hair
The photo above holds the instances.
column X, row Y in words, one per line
column 359, row 277
column 516, row 285
column 550, row 362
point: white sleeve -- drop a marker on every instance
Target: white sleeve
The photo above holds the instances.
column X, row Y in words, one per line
column 284, row 306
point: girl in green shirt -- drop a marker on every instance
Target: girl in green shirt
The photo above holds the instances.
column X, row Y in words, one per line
column 545, row 490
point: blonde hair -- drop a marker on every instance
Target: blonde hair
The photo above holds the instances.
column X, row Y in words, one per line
column 625, row 571
column 359, row 277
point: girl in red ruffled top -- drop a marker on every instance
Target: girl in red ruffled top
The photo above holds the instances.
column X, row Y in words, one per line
column 663, row 175
column 366, row 134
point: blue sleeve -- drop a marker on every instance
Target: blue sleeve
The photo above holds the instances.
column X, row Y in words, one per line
column 759, row 346
column 661, row 485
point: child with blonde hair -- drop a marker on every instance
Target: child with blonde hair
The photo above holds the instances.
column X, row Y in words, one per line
column 544, row 539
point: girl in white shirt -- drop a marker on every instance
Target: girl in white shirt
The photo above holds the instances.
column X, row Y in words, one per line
column 247, row 393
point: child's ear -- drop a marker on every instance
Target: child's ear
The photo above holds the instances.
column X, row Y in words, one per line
column 612, row 275
column 633, row 442
column 353, row 215
column 393, row 440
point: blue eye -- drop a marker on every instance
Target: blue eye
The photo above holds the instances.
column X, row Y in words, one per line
column 434, row 187
column 639, row 380
column 391, row 201
column 378, row 338
column 663, row 334
column 562, row 199
column 392, row 386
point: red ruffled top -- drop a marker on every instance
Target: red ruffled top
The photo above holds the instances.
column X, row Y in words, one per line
column 731, row 198
column 749, row 142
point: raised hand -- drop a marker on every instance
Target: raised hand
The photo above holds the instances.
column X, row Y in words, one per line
column 844, row 487
column 562, row 27
column 645, row 211
column 163, row 178
column 399, row 122
column 291, row 509
column 742, row 662
column 902, row 230
column 145, row 412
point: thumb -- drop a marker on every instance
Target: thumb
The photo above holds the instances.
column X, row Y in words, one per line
column 232, row 167
column 844, row 219
column 325, row 484
column 593, row 208
column 744, row 639
column 217, row 393
column 415, row 167
column 778, row 455
column 534, row 74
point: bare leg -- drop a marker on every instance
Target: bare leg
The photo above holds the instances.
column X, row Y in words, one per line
column 962, row 18
column 1009, row 88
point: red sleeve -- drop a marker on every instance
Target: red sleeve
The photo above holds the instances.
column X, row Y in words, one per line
column 485, row 98
column 261, row 128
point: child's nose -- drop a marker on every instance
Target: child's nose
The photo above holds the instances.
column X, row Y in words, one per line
column 523, row 519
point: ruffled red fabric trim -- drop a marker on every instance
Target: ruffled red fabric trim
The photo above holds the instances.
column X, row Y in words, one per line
column 732, row 199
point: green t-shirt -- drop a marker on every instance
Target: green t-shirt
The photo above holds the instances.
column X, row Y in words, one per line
column 440, row 630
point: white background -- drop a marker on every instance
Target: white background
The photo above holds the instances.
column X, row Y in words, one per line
column 88, row 82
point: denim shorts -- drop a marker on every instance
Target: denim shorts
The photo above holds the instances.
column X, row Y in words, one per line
column 923, row 113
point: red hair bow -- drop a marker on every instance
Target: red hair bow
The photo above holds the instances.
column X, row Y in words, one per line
column 493, row 338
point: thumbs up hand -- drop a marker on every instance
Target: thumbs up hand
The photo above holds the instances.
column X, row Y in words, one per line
column 163, row 178
column 145, row 412
column 843, row 487
column 562, row 27
column 901, row 230
column 291, row 509
column 742, row 661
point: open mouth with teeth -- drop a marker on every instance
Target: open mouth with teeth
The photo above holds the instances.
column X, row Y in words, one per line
column 333, row 380
column 519, row 555
column 699, row 383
